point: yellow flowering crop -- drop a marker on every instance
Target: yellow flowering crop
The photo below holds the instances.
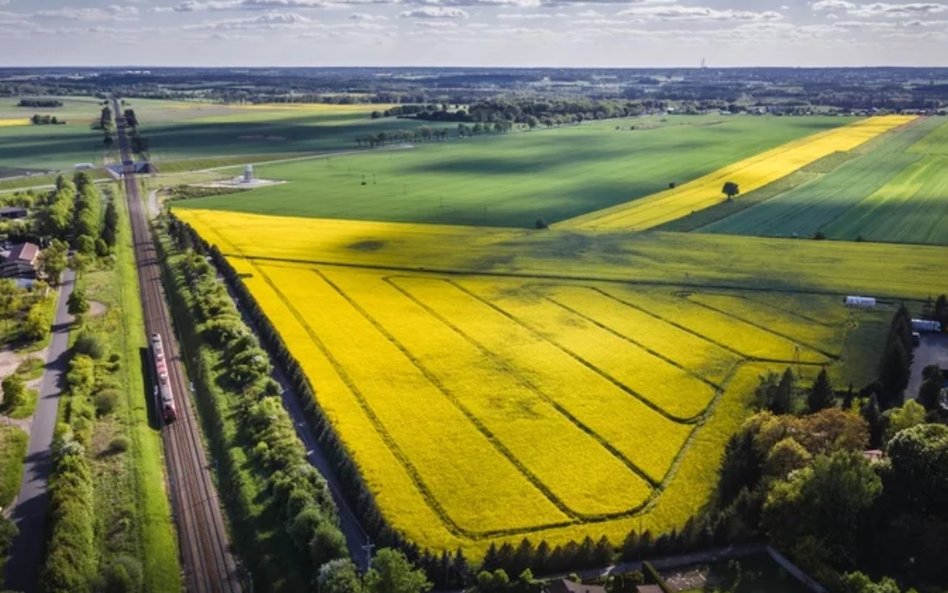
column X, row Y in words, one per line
column 750, row 174
column 14, row 121
column 724, row 329
column 487, row 409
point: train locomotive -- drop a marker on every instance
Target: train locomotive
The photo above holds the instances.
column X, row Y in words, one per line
column 164, row 396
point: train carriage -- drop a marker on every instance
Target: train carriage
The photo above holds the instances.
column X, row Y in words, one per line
column 164, row 395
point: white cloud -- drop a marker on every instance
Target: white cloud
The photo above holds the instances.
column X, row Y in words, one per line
column 434, row 12
column 270, row 20
column 439, row 25
column 217, row 5
column 677, row 12
column 109, row 13
column 826, row 5
column 364, row 16
column 880, row 9
column 916, row 9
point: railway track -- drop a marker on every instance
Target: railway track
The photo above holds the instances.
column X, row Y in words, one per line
column 204, row 542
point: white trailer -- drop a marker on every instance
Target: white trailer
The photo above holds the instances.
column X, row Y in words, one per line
column 926, row 325
column 860, row 301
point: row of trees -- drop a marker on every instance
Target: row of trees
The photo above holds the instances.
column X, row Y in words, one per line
column 40, row 103
column 46, row 120
column 267, row 442
column 422, row 134
column 73, row 562
column 107, row 126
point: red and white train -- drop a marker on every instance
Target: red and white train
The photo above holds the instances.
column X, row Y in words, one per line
column 164, row 396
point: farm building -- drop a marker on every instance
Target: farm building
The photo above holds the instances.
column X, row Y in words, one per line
column 20, row 262
column 859, row 301
column 13, row 212
column 567, row 586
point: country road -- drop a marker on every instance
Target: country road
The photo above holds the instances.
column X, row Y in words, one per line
column 32, row 503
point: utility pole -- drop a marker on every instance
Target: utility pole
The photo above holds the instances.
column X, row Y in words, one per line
column 367, row 548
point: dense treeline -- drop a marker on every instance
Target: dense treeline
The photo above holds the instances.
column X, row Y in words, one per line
column 264, row 461
column 797, row 474
column 422, row 134
column 40, row 103
column 46, row 120
column 530, row 112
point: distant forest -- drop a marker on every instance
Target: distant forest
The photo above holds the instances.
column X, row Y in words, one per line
column 775, row 90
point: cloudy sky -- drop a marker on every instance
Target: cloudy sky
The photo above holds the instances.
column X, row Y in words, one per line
column 473, row 32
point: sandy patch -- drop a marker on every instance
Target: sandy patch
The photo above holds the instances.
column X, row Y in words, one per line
column 239, row 183
column 96, row 309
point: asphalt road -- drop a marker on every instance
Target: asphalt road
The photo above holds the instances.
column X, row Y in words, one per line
column 32, row 503
column 933, row 349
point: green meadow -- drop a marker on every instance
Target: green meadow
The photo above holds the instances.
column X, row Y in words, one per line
column 515, row 179
column 896, row 190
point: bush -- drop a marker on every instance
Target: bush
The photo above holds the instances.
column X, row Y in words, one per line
column 90, row 344
column 122, row 575
column 105, row 402
column 119, row 444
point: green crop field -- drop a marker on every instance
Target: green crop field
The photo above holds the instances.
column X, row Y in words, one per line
column 515, row 179
column 181, row 132
column 25, row 148
column 896, row 189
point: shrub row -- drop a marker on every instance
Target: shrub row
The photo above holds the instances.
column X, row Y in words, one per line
column 254, row 430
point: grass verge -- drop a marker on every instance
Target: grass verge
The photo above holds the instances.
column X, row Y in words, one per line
column 132, row 507
column 13, row 443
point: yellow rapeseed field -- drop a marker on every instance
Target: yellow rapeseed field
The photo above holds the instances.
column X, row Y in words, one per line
column 883, row 270
column 14, row 121
column 750, row 174
column 486, row 409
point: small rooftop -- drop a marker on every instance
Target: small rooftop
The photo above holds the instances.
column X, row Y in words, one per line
column 25, row 252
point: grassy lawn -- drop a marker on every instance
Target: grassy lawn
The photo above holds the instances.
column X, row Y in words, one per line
column 132, row 507
column 517, row 178
column 894, row 190
column 13, row 443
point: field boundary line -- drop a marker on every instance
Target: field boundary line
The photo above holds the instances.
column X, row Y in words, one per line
column 796, row 342
column 619, row 384
column 776, row 308
column 648, row 349
column 494, row 440
column 530, row 386
column 744, row 358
